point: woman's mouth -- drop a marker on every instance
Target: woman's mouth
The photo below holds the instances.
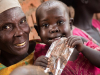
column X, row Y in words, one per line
column 20, row 44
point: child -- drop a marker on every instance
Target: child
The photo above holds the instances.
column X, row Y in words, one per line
column 53, row 23
column 28, row 70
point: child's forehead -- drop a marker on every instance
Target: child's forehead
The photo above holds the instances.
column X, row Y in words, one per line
column 55, row 11
column 53, row 6
column 52, row 9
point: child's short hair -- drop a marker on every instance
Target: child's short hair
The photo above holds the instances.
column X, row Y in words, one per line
column 28, row 70
column 50, row 3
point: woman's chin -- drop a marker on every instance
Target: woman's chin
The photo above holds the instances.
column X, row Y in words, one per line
column 21, row 52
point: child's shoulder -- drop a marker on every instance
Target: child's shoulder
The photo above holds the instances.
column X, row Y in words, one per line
column 41, row 46
column 40, row 49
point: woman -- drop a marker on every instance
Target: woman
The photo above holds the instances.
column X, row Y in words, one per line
column 83, row 23
column 14, row 37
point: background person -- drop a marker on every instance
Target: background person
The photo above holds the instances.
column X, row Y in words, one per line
column 83, row 24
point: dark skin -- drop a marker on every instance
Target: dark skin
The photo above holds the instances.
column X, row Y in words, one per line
column 83, row 20
column 14, row 36
column 83, row 17
column 48, row 23
column 28, row 70
column 51, row 24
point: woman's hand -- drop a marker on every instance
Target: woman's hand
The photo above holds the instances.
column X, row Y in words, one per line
column 41, row 61
column 75, row 42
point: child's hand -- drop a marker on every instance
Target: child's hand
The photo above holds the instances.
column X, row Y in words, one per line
column 75, row 41
column 41, row 61
column 83, row 39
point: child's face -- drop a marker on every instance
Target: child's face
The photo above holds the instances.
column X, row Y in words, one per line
column 53, row 24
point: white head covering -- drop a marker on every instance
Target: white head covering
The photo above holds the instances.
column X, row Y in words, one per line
column 7, row 4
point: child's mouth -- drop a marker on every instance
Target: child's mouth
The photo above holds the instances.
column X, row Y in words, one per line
column 55, row 38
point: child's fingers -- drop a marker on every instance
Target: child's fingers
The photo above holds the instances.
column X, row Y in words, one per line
column 72, row 41
column 45, row 58
column 42, row 59
column 68, row 41
column 41, row 64
column 78, row 44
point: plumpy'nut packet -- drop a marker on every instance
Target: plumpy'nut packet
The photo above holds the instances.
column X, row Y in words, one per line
column 58, row 55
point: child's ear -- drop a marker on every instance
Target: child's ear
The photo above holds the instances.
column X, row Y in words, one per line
column 71, row 22
column 37, row 29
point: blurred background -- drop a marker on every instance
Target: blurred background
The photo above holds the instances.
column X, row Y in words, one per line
column 29, row 8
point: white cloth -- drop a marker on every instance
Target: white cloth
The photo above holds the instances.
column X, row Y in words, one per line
column 7, row 4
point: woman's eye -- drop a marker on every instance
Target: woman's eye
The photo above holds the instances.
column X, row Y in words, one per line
column 60, row 22
column 45, row 25
column 5, row 27
column 22, row 21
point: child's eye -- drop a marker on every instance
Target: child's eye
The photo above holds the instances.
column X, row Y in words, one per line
column 45, row 25
column 60, row 22
column 22, row 21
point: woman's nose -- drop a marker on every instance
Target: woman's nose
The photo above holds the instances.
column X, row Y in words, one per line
column 18, row 32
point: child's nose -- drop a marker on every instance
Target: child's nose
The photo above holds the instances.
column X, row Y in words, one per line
column 56, row 30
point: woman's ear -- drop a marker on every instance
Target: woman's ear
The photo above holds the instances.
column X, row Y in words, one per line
column 37, row 29
column 71, row 22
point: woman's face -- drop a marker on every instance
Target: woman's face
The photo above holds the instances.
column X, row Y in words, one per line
column 14, row 32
